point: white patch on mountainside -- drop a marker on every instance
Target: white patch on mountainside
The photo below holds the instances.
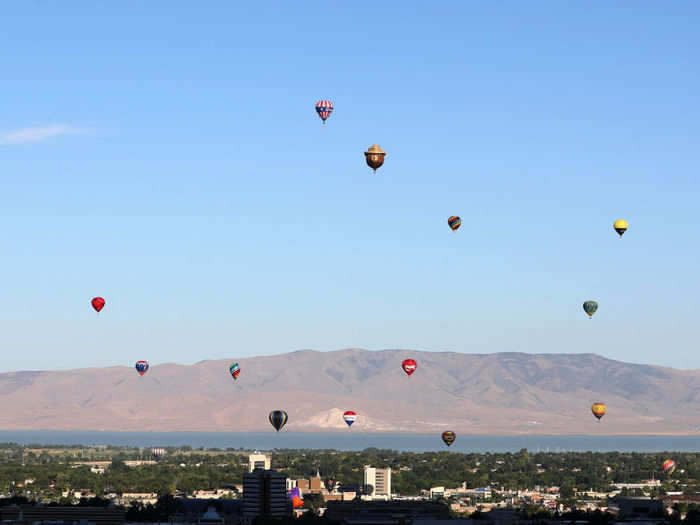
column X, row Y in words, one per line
column 333, row 419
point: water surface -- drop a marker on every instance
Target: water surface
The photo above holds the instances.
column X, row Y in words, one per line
column 356, row 441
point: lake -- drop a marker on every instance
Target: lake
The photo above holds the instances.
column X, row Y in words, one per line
column 356, row 441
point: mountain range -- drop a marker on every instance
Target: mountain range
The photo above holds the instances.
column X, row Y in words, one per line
column 500, row 393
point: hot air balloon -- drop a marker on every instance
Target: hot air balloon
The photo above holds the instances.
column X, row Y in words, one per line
column 620, row 226
column 98, row 304
column 454, row 222
column 449, row 437
column 349, row 417
column 324, row 108
column 330, row 485
column 235, row 370
column 669, row 466
column 374, row 157
column 409, row 366
column 590, row 308
column 278, row 418
column 295, row 495
column 141, row 367
column 599, row 410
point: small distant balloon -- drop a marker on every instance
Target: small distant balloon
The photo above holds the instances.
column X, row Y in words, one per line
column 409, row 366
column 454, row 222
column 98, row 303
column 374, row 156
column 620, row 226
column 349, row 417
column 669, row 466
column 599, row 410
column 235, row 370
column 590, row 308
column 324, row 108
column 449, row 437
column 278, row 418
column 141, row 367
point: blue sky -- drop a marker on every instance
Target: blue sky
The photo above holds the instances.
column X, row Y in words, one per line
column 167, row 156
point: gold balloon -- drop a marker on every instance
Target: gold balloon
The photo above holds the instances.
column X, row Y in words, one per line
column 374, row 157
column 620, row 226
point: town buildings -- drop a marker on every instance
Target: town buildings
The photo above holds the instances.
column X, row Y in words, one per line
column 265, row 495
column 377, row 481
column 260, row 461
column 65, row 515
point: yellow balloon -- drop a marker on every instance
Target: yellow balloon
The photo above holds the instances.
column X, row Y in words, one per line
column 620, row 226
column 599, row 410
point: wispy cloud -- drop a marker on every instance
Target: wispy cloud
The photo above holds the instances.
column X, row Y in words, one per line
column 38, row 134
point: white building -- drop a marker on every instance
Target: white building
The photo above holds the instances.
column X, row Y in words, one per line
column 377, row 481
column 437, row 492
column 258, row 461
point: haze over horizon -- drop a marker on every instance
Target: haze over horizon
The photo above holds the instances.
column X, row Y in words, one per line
column 170, row 160
column 498, row 394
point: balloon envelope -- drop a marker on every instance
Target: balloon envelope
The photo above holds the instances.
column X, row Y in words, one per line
column 620, row 226
column 278, row 418
column 599, row 410
column 374, row 156
column 449, row 437
column 141, row 367
column 349, row 417
column 454, row 222
column 235, row 370
column 98, row 303
column 669, row 466
column 295, row 495
column 409, row 366
column 324, row 108
column 590, row 307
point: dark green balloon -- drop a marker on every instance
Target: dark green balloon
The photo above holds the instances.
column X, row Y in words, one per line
column 590, row 307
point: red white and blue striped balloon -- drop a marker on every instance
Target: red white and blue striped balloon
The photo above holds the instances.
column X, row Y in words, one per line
column 141, row 367
column 349, row 417
column 324, row 108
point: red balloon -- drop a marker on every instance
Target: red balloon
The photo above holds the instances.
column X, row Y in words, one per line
column 409, row 366
column 98, row 303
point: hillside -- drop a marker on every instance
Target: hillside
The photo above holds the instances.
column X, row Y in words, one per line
column 505, row 393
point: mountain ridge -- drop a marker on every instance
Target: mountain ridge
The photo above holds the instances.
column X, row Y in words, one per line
column 497, row 393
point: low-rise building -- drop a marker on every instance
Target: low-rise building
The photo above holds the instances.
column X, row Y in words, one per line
column 634, row 508
column 384, row 512
column 68, row 515
column 211, row 517
column 141, row 497
column 213, row 494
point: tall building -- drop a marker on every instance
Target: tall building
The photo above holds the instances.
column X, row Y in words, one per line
column 265, row 494
column 377, row 481
column 258, row 461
